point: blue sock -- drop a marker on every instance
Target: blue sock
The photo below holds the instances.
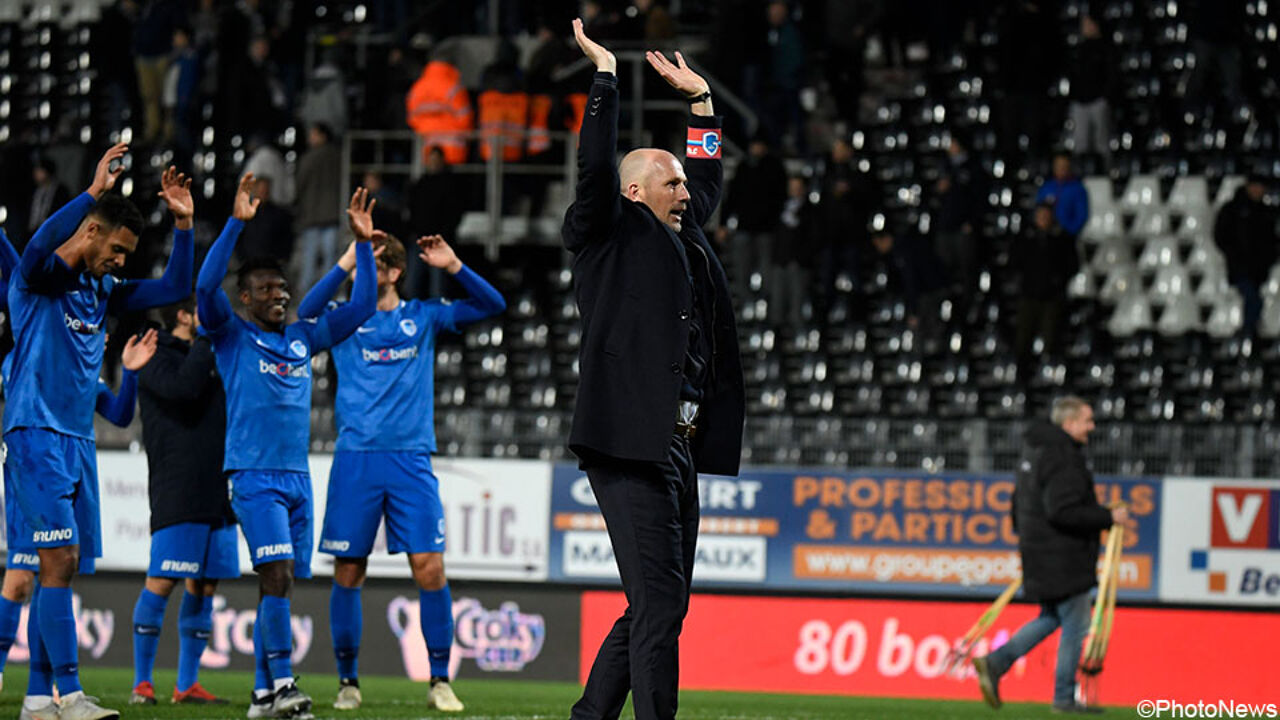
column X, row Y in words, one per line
column 346, row 622
column 10, row 616
column 261, row 673
column 277, row 632
column 435, row 613
column 195, row 624
column 40, row 681
column 58, row 627
column 148, row 618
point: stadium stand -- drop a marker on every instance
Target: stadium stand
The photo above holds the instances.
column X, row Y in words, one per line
column 1153, row 332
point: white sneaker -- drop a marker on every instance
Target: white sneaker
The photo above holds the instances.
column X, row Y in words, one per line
column 48, row 712
column 262, row 707
column 290, row 701
column 442, row 698
column 348, row 698
column 78, row 706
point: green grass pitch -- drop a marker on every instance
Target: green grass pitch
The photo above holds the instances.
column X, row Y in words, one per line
column 394, row 698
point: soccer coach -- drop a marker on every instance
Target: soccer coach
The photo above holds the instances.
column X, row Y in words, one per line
column 660, row 393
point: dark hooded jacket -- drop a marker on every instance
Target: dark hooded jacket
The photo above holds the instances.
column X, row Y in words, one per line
column 1057, row 516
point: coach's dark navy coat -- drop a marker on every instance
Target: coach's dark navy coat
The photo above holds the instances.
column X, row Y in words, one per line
column 631, row 279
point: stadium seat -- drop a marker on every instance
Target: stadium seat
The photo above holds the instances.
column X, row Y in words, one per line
column 1150, row 221
column 1189, row 195
column 1142, row 191
column 1157, row 253
column 1227, row 316
column 1269, row 320
column 1132, row 314
column 1227, row 189
column 1181, row 315
column 1121, row 281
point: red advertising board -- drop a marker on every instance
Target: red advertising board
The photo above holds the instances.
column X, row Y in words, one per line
column 897, row 649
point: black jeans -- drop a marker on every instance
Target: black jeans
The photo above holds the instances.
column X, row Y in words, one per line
column 651, row 510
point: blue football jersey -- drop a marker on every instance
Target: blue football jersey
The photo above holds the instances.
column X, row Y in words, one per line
column 267, row 379
column 386, row 379
column 52, row 373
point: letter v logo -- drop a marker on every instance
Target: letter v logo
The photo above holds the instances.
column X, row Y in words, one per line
column 1235, row 518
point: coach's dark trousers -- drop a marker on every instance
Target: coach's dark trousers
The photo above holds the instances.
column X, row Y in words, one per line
column 652, row 513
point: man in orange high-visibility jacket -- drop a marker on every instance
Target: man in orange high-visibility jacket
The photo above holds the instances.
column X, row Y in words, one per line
column 439, row 109
column 503, row 115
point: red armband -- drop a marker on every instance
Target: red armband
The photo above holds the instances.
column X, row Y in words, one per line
column 703, row 143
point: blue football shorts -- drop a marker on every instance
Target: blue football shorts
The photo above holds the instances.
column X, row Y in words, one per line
column 274, row 510
column 53, row 478
column 365, row 487
column 195, row 550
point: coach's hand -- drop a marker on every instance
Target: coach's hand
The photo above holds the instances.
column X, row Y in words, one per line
column 678, row 75
column 595, row 52
column 360, row 214
column 437, row 253
column 104, row 178
column 246, row 205
column 175, row 189
column 138, row 352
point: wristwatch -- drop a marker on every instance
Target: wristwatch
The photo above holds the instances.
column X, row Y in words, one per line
column 699, row 98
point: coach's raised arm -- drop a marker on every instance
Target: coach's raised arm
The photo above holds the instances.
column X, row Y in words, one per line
column 660, row 394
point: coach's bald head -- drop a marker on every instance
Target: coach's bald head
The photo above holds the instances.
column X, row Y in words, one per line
column 656, row 179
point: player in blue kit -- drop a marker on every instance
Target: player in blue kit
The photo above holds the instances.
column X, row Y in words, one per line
column 386, row 436
column 23, row 562
column 59, row 299
column 265, row 366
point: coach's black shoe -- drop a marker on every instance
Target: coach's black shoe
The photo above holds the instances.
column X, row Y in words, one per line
column 262, row 706
column 987, row 682
column 1077, row 709
column 291, row 701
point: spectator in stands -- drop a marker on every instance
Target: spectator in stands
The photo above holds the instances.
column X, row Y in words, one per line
column 655, row 21
column 848, row 198
column 270, row 233
column 1058, row 519
column 1045, row 259
column 265, row 161
column 848, row 25
column 110, row 47
column 324, row 100
column 438, row 108
column 319, row 205
column 1092, row 75
column 793, row 255
column 783, row 76
column 1067, row 195
column 1028, row 57
column 916, row 278
column 752, row 211
column 1216, row 30
column 48, row 195
column 1246, row 232
column 959, row 196
column 257, row 95
column 152, row 45
column 181, row 91
column 436, row 202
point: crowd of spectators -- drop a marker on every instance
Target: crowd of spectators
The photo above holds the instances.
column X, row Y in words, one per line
column 805, row 221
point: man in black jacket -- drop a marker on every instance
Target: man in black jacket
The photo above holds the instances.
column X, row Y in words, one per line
column 660, row 394
column 1245, row 230
column 1058, row 518
column 193, row 531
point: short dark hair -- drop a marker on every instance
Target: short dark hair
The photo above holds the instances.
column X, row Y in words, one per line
column 114, row 211
column 257, row 264
column 169, row 313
